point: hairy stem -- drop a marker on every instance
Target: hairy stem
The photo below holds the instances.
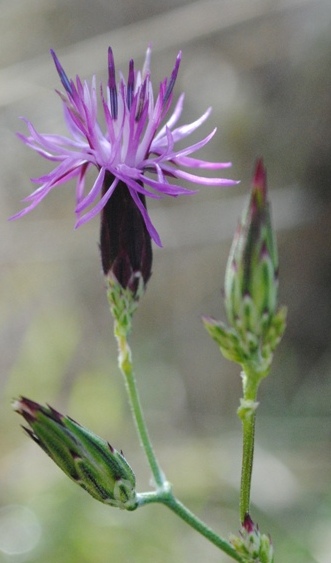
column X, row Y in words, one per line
column 248, row 427
column 247, row 415
column 125, row 364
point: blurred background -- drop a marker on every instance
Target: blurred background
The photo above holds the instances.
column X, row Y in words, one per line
column 264, row 66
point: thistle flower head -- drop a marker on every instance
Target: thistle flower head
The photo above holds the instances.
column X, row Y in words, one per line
column 87, row 459
column 134, row 146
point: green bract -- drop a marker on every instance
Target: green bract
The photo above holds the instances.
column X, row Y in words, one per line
column 86, row 458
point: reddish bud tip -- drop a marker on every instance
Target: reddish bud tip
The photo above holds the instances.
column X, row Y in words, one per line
column 260, row 181
column 28, row 409
column 248, row 523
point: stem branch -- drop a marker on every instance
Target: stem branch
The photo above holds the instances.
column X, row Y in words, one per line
column 167, row 498
column 163, row 493
column 185, row 514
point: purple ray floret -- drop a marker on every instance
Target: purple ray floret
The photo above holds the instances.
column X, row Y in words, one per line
column 131, row 146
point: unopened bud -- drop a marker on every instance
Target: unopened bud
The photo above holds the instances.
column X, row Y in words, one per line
column 253, row 546
column 251, row 287
column 251, row 279
column 84, row 457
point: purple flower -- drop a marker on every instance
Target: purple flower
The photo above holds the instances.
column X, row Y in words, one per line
column 130, row 148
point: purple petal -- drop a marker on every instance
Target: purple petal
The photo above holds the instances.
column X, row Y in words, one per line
column 174, row 117
column 192, row 148
column 173, row 78
column 137, row 187
column 98, row 207
column 81, row 183
column 65, row 171
column 95, row 190
column 149, row 225
column 199, row 179
column 64, row 79
column 197, row 163
column 168, row 189
column 112, row 83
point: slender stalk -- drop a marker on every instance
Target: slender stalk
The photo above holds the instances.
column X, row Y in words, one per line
column 185, row 514
column 248, row 427
column 247, row 414
column 125, row 365
column 168, row 499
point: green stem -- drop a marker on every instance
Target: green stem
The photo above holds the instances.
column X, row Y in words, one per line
column 163, row 494
column 247, row 414
column 168, row 499
column 185, row 514
column 125, row 365
column 248, row 427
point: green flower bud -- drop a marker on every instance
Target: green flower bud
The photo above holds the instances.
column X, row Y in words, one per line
column 251, row 279
column 251, row 544
column 251, row 287
column 84, row 457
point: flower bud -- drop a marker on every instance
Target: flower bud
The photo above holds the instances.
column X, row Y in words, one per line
column 251, row 286
column 84, row 457
column 251, row 279
column 251, row 544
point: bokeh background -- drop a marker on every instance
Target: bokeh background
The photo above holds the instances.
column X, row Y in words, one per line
column 264, row 66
